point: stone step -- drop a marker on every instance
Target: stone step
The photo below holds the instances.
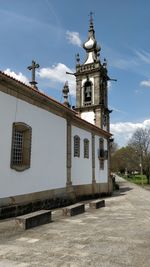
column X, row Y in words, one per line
column 73, row 210
column 96, row 204
column 34, row 219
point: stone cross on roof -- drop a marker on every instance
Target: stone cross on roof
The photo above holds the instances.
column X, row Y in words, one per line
column 33, row 67
column 91, row 20
column 91, row 16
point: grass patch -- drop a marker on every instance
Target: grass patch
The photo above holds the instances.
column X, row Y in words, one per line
column 136, row 179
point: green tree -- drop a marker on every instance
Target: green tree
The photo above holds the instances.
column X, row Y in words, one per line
column 114, row 147
column 124, row 160
column 140, row 142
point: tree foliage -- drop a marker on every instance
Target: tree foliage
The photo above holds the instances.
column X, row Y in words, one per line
column 135, row 156
column 140, row 142
column 114, row 147
column 124, row 160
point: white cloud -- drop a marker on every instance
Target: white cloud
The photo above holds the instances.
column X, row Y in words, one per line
column 123, row 131
column 18, row 76
column 145, row 83
column 143, row 56
column 131, row 61
column 125, row 63
column 73, row 38
column 57, row 74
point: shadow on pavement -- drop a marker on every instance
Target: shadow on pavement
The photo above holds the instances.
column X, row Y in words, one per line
column 121, row 191
column 124, row 189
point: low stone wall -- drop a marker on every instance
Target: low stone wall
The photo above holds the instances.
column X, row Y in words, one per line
column 50, row 199
column 27, row 207
column 90, row 191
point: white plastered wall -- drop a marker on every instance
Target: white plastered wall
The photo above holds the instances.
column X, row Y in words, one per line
column 81, row 167
column 48, row 151
column 88, row 116
column 101, row 176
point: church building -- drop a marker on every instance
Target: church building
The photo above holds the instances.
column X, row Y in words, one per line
column 51, row 154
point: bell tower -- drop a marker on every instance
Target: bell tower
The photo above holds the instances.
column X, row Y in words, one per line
column 92, row 84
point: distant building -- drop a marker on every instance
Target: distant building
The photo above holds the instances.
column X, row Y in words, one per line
column 52, row 155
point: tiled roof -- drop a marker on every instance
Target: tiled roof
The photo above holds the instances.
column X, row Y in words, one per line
column 36, row 91
column 51, row 100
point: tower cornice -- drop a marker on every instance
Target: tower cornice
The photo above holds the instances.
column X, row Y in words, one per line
column 91, row 67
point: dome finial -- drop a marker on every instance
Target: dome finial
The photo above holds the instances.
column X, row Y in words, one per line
column 91, row 17
column 91, row 46
column 91, row 20
column 65, row 92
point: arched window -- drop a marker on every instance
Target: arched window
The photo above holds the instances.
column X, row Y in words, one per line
column 76, row 146
column 21, row 146
column 86, row 148
column 88, row 93
column 101, row 153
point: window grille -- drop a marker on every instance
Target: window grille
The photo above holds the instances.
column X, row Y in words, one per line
column 76, row 146
column 101, row 153
column 86, row 148
column 106, row 154
column 21, row 146
column 18, row 147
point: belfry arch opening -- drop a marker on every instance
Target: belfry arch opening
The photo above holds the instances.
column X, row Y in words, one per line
column 87, row 93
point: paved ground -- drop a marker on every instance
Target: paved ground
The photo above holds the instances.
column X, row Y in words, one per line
column 115, row 236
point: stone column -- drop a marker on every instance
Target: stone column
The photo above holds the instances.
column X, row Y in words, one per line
column 69, row 187
column 68, row 162
column 110, row 186
column 93, row 165
column 98, row 120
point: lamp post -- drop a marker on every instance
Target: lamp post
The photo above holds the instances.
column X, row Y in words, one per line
column 140, row 155
column 141, row 166
column 141, row 173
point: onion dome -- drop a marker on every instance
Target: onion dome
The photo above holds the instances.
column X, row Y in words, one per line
column 91, row 46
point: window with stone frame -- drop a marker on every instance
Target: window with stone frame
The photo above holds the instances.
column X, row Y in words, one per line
column 87, row 93
column 106, row 154
column 101, row 153
column 76, row 146
column 21, row 146
column 86, row 148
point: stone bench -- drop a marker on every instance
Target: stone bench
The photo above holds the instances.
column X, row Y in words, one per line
column 34, row 219
column 73, row 210
column 96, row 204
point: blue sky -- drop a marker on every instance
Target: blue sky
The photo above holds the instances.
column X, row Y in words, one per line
column 52, row 32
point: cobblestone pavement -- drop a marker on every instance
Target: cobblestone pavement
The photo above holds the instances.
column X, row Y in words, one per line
column 116, row 235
